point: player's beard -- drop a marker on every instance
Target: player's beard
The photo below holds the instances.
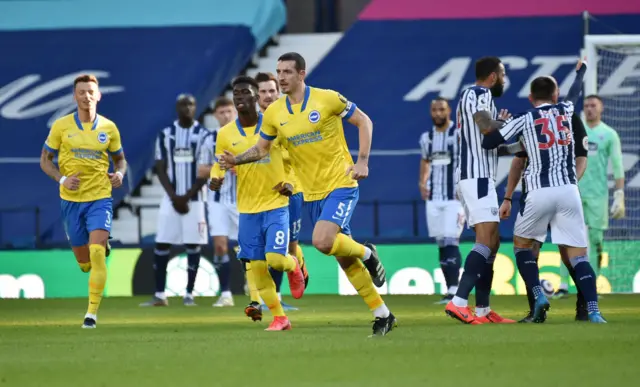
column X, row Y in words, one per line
column 439, row 122
column 497, row 90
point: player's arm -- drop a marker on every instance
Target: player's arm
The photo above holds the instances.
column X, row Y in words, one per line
column 161, row 167
column 512, row 128
column 204, row 158
column 581, row 144
column 515, row 174
column 49, row 152
column 358, row 118
column 117, row 156
column 615, row 155
column 215, row 173
column 481, row 106
column 425, row 168
column 576, row 86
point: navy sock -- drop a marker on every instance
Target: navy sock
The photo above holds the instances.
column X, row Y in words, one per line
column 193, row 262
column 223, row 269
column 483, row 286
column 473, row 267
column 586, row 281
column 450, row 263
column 277, row 278
column 528, row 268
column 580, row 302
column 160, row 262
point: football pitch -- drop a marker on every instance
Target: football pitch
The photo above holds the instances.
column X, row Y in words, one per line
column 42, row 344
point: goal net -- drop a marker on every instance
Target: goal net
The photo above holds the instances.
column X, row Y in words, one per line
column 616, row 79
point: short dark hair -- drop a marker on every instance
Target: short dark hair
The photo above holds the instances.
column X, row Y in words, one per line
column 243, row 79
column 295, row 57
column 267, row 77
column 593, row 96
column 543, row 88
column 438, row 99
column 85, row 78
column 221, row 102
column 485, row 66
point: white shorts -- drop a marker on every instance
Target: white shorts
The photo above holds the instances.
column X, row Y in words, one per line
column 223, row 220
column 177, row 229
column 445, row 219
column 558, row 207
column 479, row 200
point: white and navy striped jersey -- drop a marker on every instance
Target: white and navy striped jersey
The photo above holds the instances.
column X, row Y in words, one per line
column 228, row 192
column 546, row 132
column 180, row 148
column 475, row 162
column 440, row 149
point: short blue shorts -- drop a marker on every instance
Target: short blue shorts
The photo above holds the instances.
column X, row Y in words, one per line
column 263, row 232
column 295, row 215
column 80, row 218
column 337, row 208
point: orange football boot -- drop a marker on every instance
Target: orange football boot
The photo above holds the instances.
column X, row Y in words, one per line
column 296, row 280
column 462, row 314
column 494, row 318
column 279, row 323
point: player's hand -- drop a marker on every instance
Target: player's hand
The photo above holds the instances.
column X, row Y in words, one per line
column 504, row 115
column 358, row 171
column 505, row 209
column 284, row 189
column 227, row 160
column 581, row 61
column 215, row 183
column 424, row 192
column 617, row 207
column 115, row 179
column 72, row 182
column 181, row 204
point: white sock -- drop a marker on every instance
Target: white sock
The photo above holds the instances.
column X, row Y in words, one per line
column 452, row 290
column 367, row 253
column 382, row 311
column 226, row 294
column 564, row 286
column 188, row 295
column 279, row 297
column 93, row 316
column 161, row 295
column 460, row 302
column 481, row 312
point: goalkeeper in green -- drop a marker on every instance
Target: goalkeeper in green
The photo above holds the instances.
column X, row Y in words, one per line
column 604, row 146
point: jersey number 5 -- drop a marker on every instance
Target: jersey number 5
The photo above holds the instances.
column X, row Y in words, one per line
column 561, row 123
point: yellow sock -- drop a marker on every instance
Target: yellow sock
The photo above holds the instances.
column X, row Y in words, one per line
column 266, row 287
column 85, row 266
column 251, row 283
column 344, row 246
column 362, row 282
column 98, row 276
column 299, row 255
column 281, row 262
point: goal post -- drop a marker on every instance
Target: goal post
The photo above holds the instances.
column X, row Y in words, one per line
column 614, row 75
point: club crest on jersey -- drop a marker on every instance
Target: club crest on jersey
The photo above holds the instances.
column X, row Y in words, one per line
column 314, row 116
column 102, row 138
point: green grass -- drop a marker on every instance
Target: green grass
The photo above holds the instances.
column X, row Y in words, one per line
column 41, row 344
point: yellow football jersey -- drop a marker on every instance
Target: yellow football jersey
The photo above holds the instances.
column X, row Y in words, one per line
column 84, row 148
column 255, row 180
column 312, row 132
column 289, row 172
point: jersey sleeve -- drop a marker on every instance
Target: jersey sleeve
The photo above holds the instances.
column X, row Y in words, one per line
column 579, row 136
column 52, row 143
column 206, row 150
column 424, row 146
column 339, row 105
column 269, row 130
column 115, row 143
column 513, row 127
column 216, row 171
column 481, row 101
column 615, row 154
column 160, row 151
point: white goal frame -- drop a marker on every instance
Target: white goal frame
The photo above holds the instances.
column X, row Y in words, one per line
column 591, row 43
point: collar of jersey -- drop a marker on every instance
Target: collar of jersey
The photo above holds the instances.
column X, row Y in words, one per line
column 307, row 93
column 258, row 125
column 79, row 123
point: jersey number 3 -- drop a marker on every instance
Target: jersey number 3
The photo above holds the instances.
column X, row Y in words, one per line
column 561, row 123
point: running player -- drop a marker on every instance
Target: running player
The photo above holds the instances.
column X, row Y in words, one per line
column 262, row 201
column 222, row 208
column 476, row 190
column 83, row 142
column 445, row 217
column 181, row 217
column 309, row 123
column 553, row 198
column 604, row 146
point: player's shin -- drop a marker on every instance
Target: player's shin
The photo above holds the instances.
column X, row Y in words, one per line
column 483, row 288
column 344, row 246
column 97, row 278
column 596, row 240
column 528, row 268
column 586, row 281
column 277, row 276
column 161, row 260
column 474, row 265
column 254, row 295
column 362, row 282
column 193, row 263
column 222, row 264
column 266, row 287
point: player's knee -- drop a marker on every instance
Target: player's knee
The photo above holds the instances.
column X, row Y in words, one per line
column 163, row 247
column 220, row 250
column 324, row 243
column 346, row 262
column 293, row 247
column 522, row 243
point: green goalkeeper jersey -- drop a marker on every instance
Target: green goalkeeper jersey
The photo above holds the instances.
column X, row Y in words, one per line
column 604, row 145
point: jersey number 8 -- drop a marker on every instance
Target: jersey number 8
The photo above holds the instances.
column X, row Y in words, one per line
column 561, row 123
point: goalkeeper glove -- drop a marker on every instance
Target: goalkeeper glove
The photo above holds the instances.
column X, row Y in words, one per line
column 617, row 208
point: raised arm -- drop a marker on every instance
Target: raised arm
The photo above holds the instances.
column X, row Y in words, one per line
column 576, row 86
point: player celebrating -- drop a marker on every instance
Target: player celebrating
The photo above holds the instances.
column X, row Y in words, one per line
column 604, row 145
column 83, row 142
column 476, row 189
column 222, row 208
column 309, row 123
column 552, row 198
column 181, row 217
column 445, row 217
column 262, row 202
